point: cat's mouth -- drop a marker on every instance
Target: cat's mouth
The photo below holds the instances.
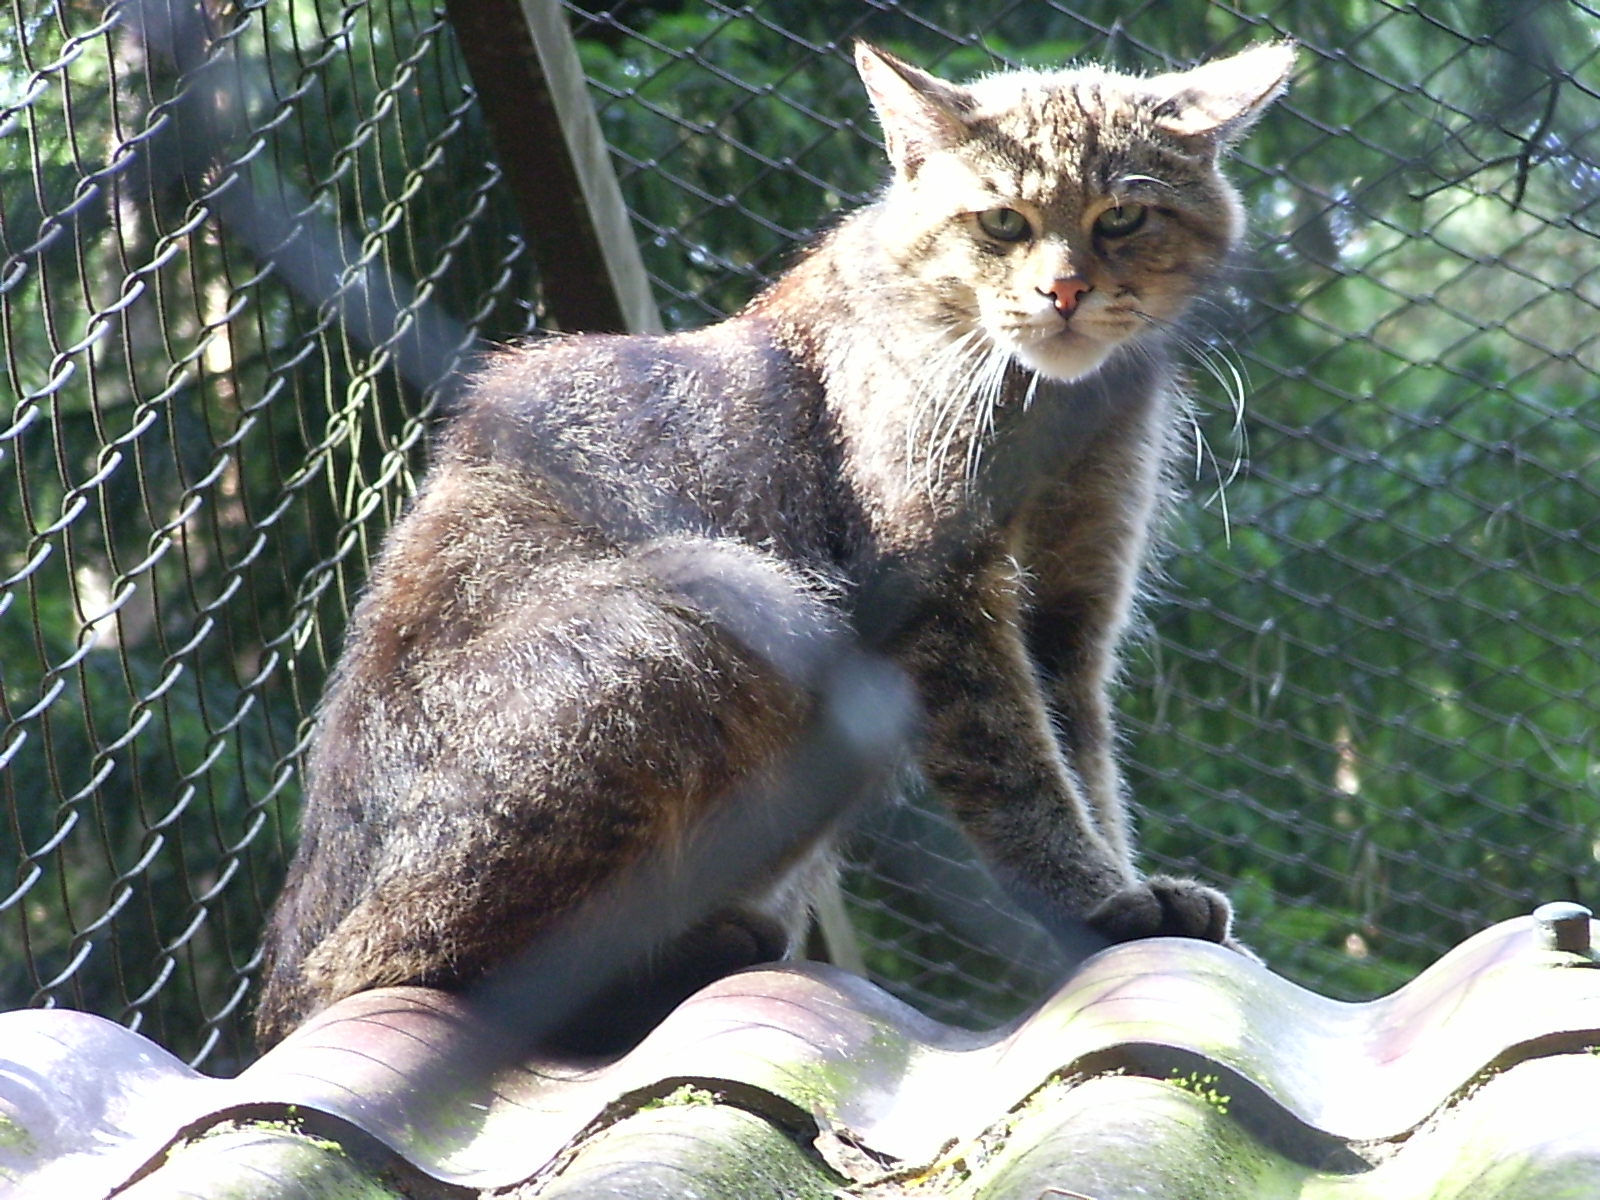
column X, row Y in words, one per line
column 1066, row 352
column 1056, row 341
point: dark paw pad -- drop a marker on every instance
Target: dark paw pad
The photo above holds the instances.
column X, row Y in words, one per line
column 1165, row 907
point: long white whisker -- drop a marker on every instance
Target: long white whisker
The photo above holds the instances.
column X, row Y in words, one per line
column 948, row 384
column 936, row 396
column 956, row 410
column 1033, row 386
column 958, row 403
column 1221, row 493
column 1215, row 363
column 1220, row 367
column 988, row 397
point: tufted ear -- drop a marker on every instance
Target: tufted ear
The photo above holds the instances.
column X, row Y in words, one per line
column 1215, row 103
column 919, row 113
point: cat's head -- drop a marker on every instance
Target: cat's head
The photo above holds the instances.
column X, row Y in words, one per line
column 1063, row 213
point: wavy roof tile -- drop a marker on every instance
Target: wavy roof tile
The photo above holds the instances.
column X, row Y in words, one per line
column 1165, row 1068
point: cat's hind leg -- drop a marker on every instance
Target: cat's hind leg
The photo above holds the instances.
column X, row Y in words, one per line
column 611, row 703
column 623, row 1012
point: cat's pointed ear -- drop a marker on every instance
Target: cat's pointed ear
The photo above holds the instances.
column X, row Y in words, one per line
column 919, row 113
column 1215, row 103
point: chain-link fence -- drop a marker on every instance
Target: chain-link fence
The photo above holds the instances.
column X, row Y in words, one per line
column 246, row 247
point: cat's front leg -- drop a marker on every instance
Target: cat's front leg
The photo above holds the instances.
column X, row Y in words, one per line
column 991, row 751
column 1072, row 639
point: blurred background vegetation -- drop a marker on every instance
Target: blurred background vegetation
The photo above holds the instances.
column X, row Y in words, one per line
column 246, row 247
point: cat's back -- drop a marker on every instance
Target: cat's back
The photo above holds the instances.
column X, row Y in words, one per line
column 719, row 431
column 594, row 447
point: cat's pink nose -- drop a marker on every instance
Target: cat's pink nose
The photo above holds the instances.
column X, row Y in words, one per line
column 1065, row 293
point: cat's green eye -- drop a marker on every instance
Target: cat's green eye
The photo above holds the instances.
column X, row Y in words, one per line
column 1120, row 221
column 1004, row 224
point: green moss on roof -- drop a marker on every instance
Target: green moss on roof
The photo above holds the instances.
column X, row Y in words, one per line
column 261, row 1160
column 671, row 1152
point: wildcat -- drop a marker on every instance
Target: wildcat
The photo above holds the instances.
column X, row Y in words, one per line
column 968, row 379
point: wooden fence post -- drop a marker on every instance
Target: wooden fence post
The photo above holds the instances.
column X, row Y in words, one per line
column 534, row 99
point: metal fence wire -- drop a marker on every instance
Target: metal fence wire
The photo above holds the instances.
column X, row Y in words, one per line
column 247, row 247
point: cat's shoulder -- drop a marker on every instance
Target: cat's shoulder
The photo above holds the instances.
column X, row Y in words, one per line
column 558, row 363
column 568, row 378
column 554, row 363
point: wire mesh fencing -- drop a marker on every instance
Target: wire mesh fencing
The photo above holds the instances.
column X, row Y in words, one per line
column 229, row 242
column 247, row 249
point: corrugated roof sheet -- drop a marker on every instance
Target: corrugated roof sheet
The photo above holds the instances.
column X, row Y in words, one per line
column 1163, row 1068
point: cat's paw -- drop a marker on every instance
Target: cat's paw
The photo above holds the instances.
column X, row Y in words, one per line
column 729, row 941
column 1162, row 906
column 618, row 1017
